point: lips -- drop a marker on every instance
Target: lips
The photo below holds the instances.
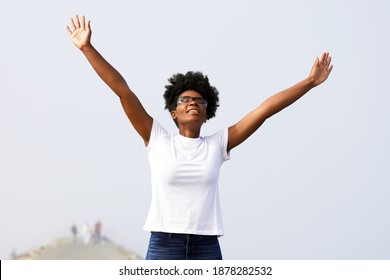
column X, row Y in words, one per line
column 193, row 111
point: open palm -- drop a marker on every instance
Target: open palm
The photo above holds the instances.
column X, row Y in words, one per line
column 79, row 31
column 321, row 69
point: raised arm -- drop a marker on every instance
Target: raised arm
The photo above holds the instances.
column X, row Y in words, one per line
column 274, row 104
column 80, row 33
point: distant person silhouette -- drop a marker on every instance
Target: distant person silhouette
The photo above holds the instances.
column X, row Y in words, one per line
column 86, row 233
column 74, row 231
column 98, row 232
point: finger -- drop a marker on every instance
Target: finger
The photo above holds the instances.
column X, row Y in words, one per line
column 77, row 21
column 323, row 57
column 329, row 65
column 317, row 61
column 89, row 25
column 329, row 60
column 72, row 24
column 69, row 31
column 82, row 22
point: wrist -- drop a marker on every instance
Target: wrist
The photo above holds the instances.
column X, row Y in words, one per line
column 311, row 82
column 86, row 47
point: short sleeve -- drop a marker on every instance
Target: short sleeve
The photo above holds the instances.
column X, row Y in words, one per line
column 221, row 139
column 157, row 131
column 226, row 153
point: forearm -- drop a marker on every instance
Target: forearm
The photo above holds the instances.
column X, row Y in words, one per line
column 274, row 104
column 285, row 98
column 105, row 70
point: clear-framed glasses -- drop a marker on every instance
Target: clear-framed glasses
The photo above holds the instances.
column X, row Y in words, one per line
column 187, row 99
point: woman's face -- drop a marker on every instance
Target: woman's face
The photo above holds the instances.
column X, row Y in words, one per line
column 191, row 108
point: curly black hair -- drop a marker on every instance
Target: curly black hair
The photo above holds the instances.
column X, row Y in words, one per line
column 196, row 81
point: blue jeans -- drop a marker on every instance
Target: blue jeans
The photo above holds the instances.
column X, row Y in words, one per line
column 174, row 246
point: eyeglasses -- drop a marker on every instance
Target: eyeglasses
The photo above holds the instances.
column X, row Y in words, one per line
column 187, row 99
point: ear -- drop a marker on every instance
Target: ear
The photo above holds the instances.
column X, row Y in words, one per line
column 173, row 115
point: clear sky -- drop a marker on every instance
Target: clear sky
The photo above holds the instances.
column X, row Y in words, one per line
column 312, row 183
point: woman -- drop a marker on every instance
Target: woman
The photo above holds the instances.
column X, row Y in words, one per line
column 184, row 217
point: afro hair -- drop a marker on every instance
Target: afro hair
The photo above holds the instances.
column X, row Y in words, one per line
column 196, row 81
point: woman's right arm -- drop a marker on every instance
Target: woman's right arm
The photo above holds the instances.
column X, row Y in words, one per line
column 80, row 33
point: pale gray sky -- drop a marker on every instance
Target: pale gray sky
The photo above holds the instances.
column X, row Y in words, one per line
column 312, row 183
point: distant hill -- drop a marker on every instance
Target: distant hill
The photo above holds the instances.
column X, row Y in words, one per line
column 66, row 249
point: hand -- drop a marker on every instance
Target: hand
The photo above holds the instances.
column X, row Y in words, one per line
column 80, row 33
column 321, row 69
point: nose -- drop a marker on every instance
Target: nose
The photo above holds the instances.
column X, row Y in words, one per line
column 193, row 101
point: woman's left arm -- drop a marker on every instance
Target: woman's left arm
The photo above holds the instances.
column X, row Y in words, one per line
column 239, row 132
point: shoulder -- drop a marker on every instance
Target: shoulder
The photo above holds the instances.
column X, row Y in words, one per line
column 219, row 138
column 157, row 128
column 157, row 132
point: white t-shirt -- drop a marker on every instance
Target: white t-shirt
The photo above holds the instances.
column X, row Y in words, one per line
column 184, row 175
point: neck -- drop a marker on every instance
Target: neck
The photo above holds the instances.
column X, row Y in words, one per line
column 189, row 131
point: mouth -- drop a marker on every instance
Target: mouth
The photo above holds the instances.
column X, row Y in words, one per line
column 193, row 111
